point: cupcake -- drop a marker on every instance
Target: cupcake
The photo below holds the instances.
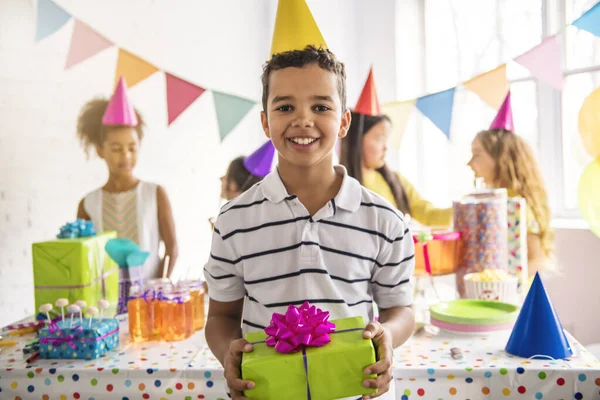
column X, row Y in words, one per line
column 491, row 284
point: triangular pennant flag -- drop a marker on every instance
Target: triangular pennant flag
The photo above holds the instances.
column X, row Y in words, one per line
column 85, row 42
column 50, row 18
column 491, row 87
column 590, row 20
column 438, row 108
column 180, row 94
column 295, row 27
column 368, row 102
column 260, row 162
column 230, row 111
column 544, row 62
column 538, row 331
column 399, row 112
column 132, row 68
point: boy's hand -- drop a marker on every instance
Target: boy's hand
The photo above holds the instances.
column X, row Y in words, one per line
column 232, row 367
column 382, row 340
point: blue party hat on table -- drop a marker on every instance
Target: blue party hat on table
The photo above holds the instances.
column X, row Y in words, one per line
column 538, row 332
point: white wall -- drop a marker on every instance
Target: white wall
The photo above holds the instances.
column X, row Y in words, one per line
column 575, row 292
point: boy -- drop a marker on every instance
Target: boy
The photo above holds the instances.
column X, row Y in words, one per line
column 308, row 231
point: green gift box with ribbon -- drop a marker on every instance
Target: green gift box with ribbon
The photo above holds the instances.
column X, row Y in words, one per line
column 75, row 269
column 333, row 371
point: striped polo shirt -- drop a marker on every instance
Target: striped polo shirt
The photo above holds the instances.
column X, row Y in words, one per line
column 267, row 249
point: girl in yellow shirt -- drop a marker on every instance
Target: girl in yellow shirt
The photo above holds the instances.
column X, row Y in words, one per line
column 363, row 154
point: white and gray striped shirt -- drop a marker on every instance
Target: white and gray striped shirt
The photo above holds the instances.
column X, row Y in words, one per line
column 267, row 248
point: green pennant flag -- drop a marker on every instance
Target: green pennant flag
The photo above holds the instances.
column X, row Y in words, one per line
column 230, row 111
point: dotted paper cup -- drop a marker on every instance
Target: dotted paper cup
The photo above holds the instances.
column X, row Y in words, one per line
column 504, row 289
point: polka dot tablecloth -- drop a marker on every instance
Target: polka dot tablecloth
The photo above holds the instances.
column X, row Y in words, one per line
column 423, row 369
column 153, row 370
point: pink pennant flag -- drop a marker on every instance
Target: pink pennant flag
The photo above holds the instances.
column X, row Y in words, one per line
column 544, row 62
column 180, row 94
column 85, row 42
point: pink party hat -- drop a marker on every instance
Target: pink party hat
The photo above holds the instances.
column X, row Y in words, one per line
column 504, row 118
column 259, row 163
column 119, row 111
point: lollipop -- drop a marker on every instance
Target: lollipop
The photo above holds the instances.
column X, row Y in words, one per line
column 91, row 311
column 73, row 309
column 103, row 305
column 45, row 309
column 62, row 303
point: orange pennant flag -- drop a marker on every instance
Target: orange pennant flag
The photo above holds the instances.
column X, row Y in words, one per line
column 132, row 68
column 491, row 86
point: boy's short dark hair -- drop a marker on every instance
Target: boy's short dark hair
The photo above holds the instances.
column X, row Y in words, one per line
column 299, row 58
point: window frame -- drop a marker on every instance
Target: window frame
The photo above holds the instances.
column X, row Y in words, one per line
column 550, row 137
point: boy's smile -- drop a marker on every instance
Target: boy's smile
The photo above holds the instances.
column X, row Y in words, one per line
column 304, row 115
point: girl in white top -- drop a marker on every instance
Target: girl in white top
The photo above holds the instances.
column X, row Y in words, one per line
column 136, row 210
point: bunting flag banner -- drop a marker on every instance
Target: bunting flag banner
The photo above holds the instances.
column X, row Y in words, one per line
column 132, row 68
column 437, row 107
column 50, row 18
column 544, row 62
column 590, row 20
column 295, row 27
column 399, row 113
column 491, row 87
column 180, row 95
column 85, row 43
column 230, row 111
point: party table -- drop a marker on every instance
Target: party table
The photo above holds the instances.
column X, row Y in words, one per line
column 423, row 369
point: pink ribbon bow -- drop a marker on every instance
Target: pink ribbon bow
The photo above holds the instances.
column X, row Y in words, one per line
column 300, row 326
column 53, row 328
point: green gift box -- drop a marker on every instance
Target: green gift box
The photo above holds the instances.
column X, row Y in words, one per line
column 75, row 269
column 335, row 370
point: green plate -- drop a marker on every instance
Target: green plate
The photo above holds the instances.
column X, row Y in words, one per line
column 474, row 312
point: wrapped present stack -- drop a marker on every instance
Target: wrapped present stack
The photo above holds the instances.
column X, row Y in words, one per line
column 78, row 336
column 300, row 354
column 75, row 266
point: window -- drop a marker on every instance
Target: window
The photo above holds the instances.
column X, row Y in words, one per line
column 461, row 39
column 582, row 61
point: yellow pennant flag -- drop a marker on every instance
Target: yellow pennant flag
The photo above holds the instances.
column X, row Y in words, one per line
column 491, row 86
column 295, row 28
column 399, row 112
column 132, row 68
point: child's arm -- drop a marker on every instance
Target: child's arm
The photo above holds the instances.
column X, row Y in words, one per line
column 81, row 213
column 393, row 293
column 394, row 327
column 223, row 326
column 166, row 228
column 224, row 337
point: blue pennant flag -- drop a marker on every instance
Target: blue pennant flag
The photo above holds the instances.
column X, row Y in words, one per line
column 50, row 18
column 438, row 108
